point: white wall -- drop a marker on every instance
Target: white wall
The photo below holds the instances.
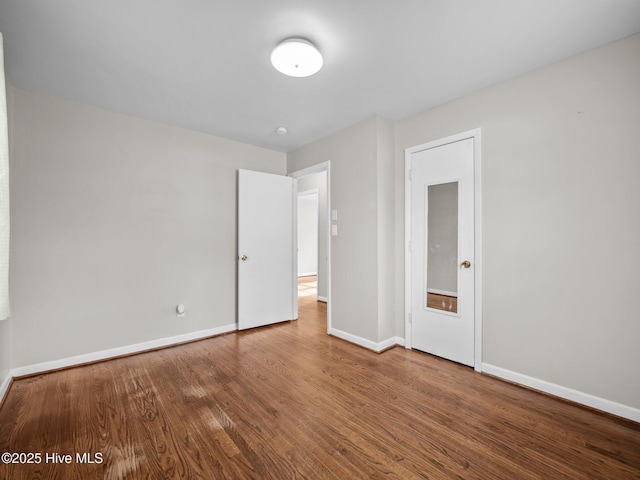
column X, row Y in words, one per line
column 115, row 221
column 561, row 218
column 318, row 181
column 307, row 234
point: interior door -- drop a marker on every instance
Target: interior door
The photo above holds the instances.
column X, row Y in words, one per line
column 266, row 249
column 442, row 258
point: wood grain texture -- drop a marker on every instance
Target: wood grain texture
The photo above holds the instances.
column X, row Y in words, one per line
column 442, row 302
column 289, row 401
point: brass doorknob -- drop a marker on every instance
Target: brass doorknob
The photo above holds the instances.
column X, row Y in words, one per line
column 465, row 264
column 244, row 258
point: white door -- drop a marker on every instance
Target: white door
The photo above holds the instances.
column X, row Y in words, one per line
column 442, row 251
column 266, row 253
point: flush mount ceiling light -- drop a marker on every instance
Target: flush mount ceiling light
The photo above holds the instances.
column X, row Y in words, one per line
column 296, row 57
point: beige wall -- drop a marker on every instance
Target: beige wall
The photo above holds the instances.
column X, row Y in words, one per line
column 115, row 221
column 353, row 273
column 5, row 350
column 361, row 177
column 560, row 172
column 385, row 142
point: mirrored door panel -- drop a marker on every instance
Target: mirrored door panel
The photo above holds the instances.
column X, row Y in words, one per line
column 441, row 244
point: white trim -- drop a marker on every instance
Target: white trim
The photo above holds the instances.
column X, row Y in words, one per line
column 307, row 274
column 120, row 351
column 4, row 386
column 294, row 251
column 319, row 168
column 363, row 342
column 322, row 299
column 577, row 396
column 306, row 193
column 477, row 224
column 442, row 292
column 477, row 187
column 390, row 342
column 408, row 248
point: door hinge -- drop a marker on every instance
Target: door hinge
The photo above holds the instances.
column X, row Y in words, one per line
column 410, row 318
column 410, row 175
column 410, row 246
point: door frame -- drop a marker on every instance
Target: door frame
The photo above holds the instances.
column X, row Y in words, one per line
column 319, row 168
column 477, row 218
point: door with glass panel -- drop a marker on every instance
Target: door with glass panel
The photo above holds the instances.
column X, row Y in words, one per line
column 442, row 258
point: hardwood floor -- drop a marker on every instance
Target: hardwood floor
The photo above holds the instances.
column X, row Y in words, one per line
column 288, row 401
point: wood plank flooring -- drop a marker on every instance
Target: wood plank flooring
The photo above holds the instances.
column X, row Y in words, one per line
column 288, row 401
column 442, row 302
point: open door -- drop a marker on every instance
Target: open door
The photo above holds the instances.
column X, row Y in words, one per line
column 267, row 262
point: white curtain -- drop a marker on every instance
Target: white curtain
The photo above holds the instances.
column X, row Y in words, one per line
column 4, row 194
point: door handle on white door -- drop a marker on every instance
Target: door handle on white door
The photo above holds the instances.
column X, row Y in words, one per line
column 465, row 264
column 244, row 258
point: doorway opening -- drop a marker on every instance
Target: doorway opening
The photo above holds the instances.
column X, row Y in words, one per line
column 308, row 228
column 314, row 242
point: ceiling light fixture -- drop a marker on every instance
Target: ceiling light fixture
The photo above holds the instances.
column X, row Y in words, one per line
column 296, row 57
column 281, row 130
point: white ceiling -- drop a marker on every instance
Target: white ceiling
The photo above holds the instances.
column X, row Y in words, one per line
column 204, row 64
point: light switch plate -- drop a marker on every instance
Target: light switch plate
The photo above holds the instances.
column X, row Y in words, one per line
column 334, row 215
column 334, row 230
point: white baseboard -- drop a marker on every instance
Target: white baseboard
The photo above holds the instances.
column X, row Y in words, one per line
column 119, row 351
column 307, row 274
column 322, row 299
column 4, row 386
column 587, row 399
column 363, row 342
